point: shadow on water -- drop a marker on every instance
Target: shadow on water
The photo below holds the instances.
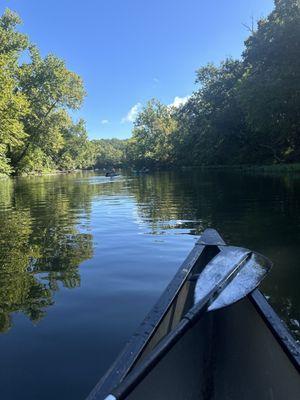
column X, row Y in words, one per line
column 118, row 242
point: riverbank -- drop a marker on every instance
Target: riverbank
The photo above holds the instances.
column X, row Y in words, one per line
column 275, row 168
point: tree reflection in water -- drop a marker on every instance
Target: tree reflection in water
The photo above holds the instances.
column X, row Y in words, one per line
column 41, row 244
column 45, row 227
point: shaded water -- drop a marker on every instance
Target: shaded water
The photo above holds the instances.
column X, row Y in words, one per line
column 84, row 257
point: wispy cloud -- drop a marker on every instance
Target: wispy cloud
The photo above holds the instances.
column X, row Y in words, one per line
column 132, row 113
column 155, row 80
column 179, row 101
column 104, row 121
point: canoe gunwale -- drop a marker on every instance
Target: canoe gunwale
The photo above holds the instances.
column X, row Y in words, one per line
column 277, row 327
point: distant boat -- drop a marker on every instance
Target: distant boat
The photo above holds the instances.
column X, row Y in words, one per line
column 111, row 174
column 239, row 352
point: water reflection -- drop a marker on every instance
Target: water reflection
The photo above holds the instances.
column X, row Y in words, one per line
column 255, row 210
column 46, row 229
column 41, row 243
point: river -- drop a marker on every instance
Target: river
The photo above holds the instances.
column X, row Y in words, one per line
column 84, row 257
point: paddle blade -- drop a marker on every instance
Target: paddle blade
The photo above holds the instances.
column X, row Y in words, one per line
column 251, row 270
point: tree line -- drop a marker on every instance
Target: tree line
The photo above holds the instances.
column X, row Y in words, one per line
column 243, row 111
column 37, row 93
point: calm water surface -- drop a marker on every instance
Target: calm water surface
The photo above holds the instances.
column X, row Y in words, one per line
column 83, row 258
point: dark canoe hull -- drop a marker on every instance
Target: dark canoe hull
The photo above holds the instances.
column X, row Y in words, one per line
column 239, row 352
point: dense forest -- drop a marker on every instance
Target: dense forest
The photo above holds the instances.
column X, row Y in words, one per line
column 244, row 111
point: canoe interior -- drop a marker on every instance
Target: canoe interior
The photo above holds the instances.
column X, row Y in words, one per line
column 182, row 302
column 239, row 352
column 230, row 354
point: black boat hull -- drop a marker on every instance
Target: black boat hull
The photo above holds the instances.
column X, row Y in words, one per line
column 239, row 352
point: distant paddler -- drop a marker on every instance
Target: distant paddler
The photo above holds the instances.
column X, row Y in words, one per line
column 111, row 173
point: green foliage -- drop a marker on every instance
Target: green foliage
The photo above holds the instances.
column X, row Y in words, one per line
column 36, row 132
column 50, row 88
column 151, row 142
column 11, row 42
column 13, row 107
column 270, row 88
column 76, row 149
column 13, row 104
column 109, row 152
column 213, row 117
column 244, row 112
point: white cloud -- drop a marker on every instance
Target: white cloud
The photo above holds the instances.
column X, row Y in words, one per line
column 105, row 121
column 132, row 113
column 179, row 101
column 155, row 80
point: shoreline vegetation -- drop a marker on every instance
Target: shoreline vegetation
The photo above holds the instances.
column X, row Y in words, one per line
column 243, row 114
column 274, row 168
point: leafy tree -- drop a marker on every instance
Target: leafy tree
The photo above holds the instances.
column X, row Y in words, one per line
column 244, row 112
column 11, row 41
column 75, row 150
column 50, row 87
column 36, row 132
column 13, row 104
column 152, row 135
column 13, row 107
column 270, row 89
column 109, row 152
column 213, row 119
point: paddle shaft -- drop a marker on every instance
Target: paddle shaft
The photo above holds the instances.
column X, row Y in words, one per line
column 165, row 345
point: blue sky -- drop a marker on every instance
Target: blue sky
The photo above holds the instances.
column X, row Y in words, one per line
column 128, row 51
